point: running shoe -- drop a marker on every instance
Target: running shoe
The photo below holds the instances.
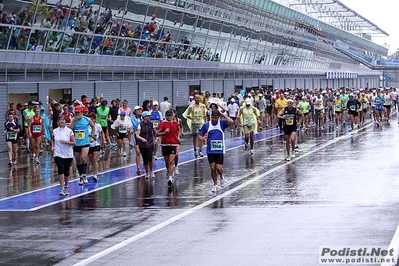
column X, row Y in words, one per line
column 177, row 172
column 154, row 158
column 85, row 181
column 66, row 190
column 10, row 163
column 152, row 175
column 138, row 172
column 251, row 151
column 124, row 154
column 170, row 181
column 245, row 146
column 80, row 181
column 293, row 154
column 62, row 192
column 288, row 158
column 201, row 154
column 147, row 175
column 37, row 161
column 14, row 162
column 95, row 179
column 214, row 189
column 195, row 153
column 221, row 177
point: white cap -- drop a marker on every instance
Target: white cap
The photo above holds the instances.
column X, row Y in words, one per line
column 155, row 103
column 232, row 100
column 290, row 100
column 136, row 107
column 248, row 101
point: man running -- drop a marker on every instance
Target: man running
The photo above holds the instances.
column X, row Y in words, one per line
column 213, row 133
column 290, row 115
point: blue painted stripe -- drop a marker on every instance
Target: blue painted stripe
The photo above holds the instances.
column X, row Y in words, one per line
column 38, row 199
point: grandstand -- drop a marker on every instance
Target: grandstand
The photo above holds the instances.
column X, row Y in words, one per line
column 147, row 48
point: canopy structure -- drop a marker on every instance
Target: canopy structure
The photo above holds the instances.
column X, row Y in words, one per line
column 337, row 14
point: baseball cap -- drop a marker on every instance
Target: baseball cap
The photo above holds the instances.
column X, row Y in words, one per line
column 155, row 103
column 290, row 100
column 168, row 112
column 78, row 109
column 215, row 113
column 123, row 113
column 232, row 100
column 136, row 107
column 247, row 101
column 146, row 113
column 351, row 95
column 85, row 109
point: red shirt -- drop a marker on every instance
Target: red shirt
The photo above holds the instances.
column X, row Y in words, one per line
column 172, row 137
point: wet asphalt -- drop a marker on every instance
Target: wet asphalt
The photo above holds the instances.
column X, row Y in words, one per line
column 340, row 190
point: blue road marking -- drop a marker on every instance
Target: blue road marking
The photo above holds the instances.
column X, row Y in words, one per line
column 38, row 199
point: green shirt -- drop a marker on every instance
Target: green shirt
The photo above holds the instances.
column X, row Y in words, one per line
column 102, row 116
column 304, row 107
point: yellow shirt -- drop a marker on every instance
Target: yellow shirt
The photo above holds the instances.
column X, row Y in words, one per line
column 281, row 104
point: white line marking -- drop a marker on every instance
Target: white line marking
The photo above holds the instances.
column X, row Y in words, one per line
column 204, row 204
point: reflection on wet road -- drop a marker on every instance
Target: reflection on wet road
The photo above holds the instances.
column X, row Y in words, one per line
column 340, row 190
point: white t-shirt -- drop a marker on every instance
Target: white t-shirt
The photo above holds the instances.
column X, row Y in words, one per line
column 96, row 135
column 124, row 125
column 232, row 109
column 163, row 107
column 62, row 150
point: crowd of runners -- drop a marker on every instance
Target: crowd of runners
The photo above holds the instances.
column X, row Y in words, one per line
column 79, row 132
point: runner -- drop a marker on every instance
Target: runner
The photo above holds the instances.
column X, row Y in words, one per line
column 353, row 107
column 35, row 130
column 136, row 119
column 290, row 115
column 232, row 110
column 122, row 126
column 319, row 111
column 145, row 135
column 196, row 117
column 181, row 133
column 280, row 104
column 213, row 133
column 304, row 107
column 156, row 118
column 387, row 105
column 11, row 130
column 169, row 130
column 62, row 146
column 338, row 108
column 248, row 116
column 103, row 116
column 80, row 126
column 94, row 149
column 27, row 114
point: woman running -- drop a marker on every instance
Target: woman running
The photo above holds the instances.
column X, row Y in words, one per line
column 11, row 130
column 94, row 149
column 35, row 130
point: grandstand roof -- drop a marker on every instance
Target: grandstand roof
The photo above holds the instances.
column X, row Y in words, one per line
column 335, row 13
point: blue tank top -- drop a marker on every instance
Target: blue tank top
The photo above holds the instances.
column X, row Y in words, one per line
column 155, row 118
column 81, row 131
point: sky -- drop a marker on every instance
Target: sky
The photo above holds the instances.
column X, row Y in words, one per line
column 384, row 14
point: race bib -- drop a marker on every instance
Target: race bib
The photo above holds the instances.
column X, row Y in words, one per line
column 289, row 122
column 80, row 134
column 103, row 117
column 155, row 122
column 36, row 128
column 352, row 108
column 216, row 145
column 11, row 135
column 248, row 120
column 198, row 115
column 338, row 107
column 122, row 129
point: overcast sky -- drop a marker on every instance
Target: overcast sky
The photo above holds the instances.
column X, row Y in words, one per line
column 383, row 13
